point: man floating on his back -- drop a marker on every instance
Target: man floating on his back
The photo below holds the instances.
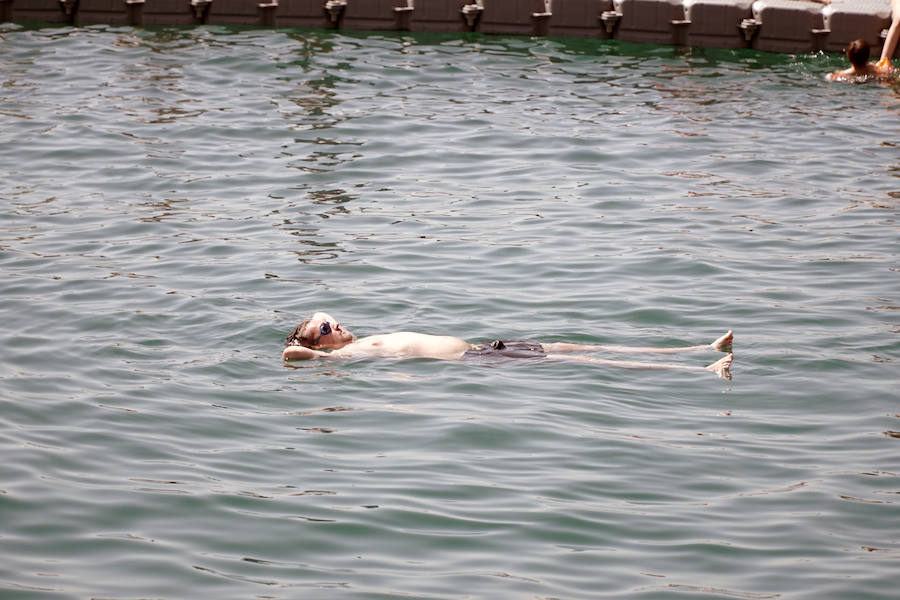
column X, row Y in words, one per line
column 322, row 337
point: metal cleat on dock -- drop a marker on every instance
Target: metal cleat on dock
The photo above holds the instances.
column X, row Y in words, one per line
column 750, row 27
column 335, row 11
column 69, row 9
column 403, row 14
column 542, row 19
column 200, row 10
column 472, row 13
column 610, row 19
column 267, row 12
column 407, row 7
column 134, row 10
column 548, row 10
column 680, row 29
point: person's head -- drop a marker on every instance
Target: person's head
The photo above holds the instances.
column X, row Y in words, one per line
column 319, row 331
column 858, row 52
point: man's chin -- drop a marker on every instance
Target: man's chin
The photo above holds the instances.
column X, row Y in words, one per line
column 337, row 345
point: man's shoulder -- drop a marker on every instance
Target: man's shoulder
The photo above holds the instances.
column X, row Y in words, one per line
column 840, row 75
column 851, row 75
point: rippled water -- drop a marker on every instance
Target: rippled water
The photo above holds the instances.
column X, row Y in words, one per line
column 176, row 200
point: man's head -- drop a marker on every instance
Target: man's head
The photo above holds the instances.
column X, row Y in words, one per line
column 319, row 331
column 858, row 52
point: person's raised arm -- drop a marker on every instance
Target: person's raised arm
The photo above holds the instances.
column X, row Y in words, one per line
column 301, row 353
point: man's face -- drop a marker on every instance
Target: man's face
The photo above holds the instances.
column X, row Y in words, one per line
column 328, row 331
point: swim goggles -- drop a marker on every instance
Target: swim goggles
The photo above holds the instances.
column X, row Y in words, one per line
column 324, row 329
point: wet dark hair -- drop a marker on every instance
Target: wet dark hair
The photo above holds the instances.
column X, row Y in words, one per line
column 296, row 337
column 858, row 52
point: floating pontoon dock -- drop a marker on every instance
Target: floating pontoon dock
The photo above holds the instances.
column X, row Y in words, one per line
column 771, row 25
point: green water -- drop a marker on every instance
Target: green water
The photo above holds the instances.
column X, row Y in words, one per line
column 176, row 200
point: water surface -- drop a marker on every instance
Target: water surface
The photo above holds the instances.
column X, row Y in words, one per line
column 176, row 200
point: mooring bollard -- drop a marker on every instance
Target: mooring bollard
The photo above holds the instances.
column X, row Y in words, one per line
column 134, row 9
column 471, row 13
column 750, row 27
column 335, row 11
column 542, row 19
column 819, row 39
column 267, row 13
column 680, row 28
column 610, row 19
column 403, row 15
column 69, row 9
column 200, row 11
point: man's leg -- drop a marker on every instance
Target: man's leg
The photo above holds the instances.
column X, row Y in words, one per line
column 721, row 367
column 723, row 344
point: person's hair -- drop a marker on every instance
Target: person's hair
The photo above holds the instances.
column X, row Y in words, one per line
column 296, row 337
column 858, row 52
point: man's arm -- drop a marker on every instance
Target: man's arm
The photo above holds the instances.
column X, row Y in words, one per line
column 301, row 353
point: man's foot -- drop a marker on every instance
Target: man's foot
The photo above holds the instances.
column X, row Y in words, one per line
column 723, row 344
column 722, row 366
